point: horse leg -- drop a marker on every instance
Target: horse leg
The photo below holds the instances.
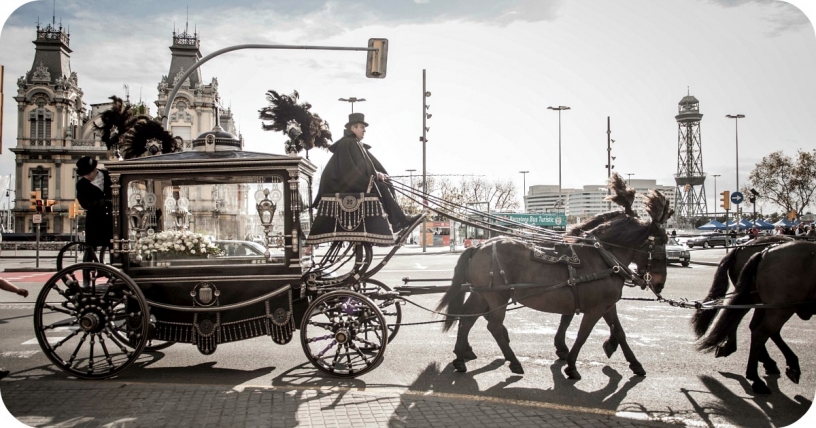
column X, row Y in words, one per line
column 587, row 324
column 611, row 344
column 463, row 351
column 765, row 358
column 495, row 324
column 792, row 371
column 771, row 322
column 616, row 332
column 561, row 349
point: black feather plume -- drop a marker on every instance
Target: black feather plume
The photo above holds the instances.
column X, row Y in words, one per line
column 133, row 135
column 305, row 129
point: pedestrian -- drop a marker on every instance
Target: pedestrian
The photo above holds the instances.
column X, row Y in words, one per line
column 732, row 237
column 93, row 191
column 811, row 232
column 352, row 168
column 7, row 286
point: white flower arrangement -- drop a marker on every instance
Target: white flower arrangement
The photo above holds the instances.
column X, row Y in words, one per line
column 177, row 242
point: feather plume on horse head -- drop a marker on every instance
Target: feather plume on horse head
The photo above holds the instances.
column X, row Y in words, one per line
column 622, row 194
column 305, row 129
column 134, row 135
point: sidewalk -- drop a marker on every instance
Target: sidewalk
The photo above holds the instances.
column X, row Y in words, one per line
column 112, row 403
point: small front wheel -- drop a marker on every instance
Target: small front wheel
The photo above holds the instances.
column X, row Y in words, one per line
column 389, row 305
column 344, row 334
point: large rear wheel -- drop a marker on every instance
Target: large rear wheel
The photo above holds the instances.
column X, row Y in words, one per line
column 91, row 320
column 73, row 252
column 344, row 334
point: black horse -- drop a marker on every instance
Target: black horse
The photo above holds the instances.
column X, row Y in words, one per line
column 503, row 269
column 784, row 277
column 729, row 268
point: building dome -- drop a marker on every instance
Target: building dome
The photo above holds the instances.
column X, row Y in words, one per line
column 217, row 140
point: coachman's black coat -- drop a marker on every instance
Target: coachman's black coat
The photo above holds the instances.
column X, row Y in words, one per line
column 349, row 171
column 97, row 203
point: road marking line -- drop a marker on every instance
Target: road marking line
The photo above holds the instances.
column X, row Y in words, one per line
column 51, row 340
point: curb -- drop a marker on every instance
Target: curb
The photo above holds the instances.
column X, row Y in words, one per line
column 30, row 269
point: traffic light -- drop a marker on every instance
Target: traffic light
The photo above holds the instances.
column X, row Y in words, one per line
column 49, row 205
column 39, row 206
column 71, row 210
column 725, row 202
column 33, row 198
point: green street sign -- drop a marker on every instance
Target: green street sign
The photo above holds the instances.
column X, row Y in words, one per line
column 558, row 219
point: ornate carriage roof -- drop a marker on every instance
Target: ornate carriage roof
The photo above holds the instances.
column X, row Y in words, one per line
column 211, row 160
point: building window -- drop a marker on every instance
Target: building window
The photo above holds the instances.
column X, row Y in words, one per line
column 40, row 119
column 39, row 180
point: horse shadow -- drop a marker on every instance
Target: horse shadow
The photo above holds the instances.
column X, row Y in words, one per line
column 444, row 380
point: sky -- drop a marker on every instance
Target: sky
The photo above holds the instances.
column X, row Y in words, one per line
column 493, row 67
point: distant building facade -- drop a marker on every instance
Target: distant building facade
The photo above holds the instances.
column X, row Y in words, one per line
column 55, row 127
column 589, row 200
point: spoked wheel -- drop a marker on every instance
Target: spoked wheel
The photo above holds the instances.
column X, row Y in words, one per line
column 390, row 307
column 91, row 320
column 73, row 252
column 344, row 334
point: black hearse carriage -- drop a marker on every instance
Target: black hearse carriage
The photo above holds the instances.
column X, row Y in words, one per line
column 208, row 249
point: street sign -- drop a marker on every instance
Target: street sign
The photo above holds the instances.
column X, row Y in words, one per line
column 37, row 218
column 558, row 219
column 737, row 198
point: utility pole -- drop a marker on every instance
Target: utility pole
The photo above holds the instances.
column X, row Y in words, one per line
column 609, row 165
column 425, row 129
column 352, row 100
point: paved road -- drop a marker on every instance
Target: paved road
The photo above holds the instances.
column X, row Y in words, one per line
column 682, row 386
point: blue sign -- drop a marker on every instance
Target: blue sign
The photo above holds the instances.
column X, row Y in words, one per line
column 737, row 198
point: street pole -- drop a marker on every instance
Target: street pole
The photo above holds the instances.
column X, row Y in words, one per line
column 559, row 108
column 37, row 258
column 736, row 118
column 524, row 189
column 424, row 171
column 715, row 194
column 608, row 157
column 352, row 100
column 629, row 178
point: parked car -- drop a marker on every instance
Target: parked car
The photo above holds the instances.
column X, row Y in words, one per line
column 677, row 253
column 708, row 240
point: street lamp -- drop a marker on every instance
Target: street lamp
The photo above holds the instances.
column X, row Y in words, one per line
column 559, row 108
column 352, row 100
column 524, row 189
column 736, row 118
column 629, row 178
column 715, row 194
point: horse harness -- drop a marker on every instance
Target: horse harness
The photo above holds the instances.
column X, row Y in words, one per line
column 615, row 266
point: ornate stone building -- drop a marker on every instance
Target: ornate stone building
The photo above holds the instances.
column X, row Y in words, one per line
column 55, row 127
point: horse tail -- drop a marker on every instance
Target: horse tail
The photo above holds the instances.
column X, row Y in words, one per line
column 454, row 299
column 703, row 318
column 730, row 318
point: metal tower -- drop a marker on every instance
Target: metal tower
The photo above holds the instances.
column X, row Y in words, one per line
column 690, row 200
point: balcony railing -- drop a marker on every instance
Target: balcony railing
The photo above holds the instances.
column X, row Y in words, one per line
column 63, row 143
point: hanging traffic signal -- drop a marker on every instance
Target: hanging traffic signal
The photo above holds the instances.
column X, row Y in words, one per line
column 49, row 205
column 725, row 202
column 39, row 206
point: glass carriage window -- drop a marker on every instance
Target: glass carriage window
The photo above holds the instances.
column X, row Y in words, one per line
column 206, row 220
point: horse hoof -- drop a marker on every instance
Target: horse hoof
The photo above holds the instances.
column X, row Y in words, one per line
column 459, row 366
column 562, row 355
column 637, row 369
column 609, row 348
column 759, row 387
column 722, row 351
column 469, row 355
column 516, row 368
column 793, row 375
column 572, row 374
column 771, row 369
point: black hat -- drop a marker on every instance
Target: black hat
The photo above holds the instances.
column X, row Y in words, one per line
column 85, row 165
column 356, row 118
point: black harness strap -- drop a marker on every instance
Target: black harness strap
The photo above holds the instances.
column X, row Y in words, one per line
column 572, row 283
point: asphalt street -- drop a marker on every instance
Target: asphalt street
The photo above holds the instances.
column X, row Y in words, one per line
column 682, row 386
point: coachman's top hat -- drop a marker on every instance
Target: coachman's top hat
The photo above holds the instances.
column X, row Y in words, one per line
column 86, row 165
column 356, row 118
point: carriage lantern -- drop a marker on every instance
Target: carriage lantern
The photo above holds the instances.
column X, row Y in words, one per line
column 266, row 211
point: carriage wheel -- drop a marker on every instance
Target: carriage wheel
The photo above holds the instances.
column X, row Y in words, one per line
column 344, row 334
column 72, row 253
column 390, row 307
column 93, row 329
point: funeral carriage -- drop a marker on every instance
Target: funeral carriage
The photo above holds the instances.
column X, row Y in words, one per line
column 184, row 267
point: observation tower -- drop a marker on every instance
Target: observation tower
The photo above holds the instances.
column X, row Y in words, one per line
column 690, row 200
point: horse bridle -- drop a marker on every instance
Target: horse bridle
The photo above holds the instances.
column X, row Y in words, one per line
column 645, row 280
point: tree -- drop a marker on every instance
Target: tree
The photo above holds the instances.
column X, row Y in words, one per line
column 467, row 191
column 784, row 181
